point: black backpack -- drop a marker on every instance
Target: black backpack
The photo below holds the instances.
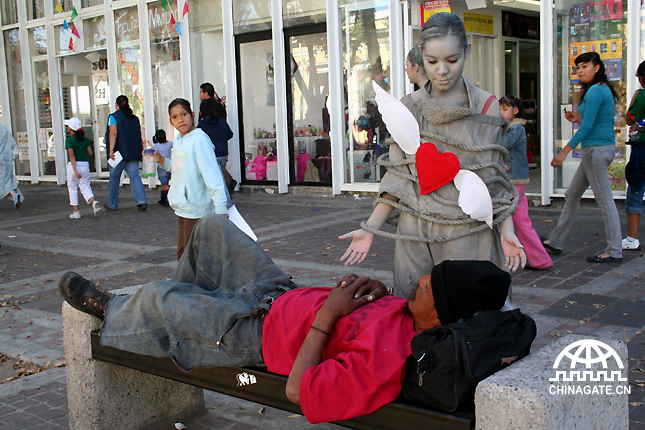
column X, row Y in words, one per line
column 448, row 361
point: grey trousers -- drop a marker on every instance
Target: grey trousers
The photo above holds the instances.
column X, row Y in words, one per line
column 592, row 171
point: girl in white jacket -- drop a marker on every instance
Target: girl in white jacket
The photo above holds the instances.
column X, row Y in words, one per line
column 197, row 187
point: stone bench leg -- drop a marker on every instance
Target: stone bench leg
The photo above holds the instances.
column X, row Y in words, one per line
column 106, row 396
column 522, row 396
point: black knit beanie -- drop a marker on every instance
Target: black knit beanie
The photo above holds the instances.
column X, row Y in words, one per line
column 463, row 287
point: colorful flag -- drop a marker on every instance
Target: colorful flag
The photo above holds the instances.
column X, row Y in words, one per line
column 71, row 43
column 164, row 5
column 74, row 14
column 75, row 31
column 185, row 8
column 59, row 7
column 172, row 20
column 178, row 28
column 65, row 25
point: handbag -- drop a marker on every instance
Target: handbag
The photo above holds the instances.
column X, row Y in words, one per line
column 447, row 362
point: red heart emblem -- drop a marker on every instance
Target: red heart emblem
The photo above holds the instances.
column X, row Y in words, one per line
column 434, row 169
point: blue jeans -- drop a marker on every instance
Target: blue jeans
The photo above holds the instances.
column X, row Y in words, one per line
column 138, row 192
column 634, row 200
column 592, row 171
column 206, row 314
column 221, row 162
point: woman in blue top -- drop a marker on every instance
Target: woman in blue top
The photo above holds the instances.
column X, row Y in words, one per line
column 596, row 110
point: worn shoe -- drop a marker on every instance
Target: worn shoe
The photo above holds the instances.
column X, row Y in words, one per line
column 16, row 201
column 83, row 295
column 550, row 249
column 599, row 259
column 107, row 208
column 142, row 207
column 75, row 215
column 528, row 266
column 631, row 244
column 96, row 208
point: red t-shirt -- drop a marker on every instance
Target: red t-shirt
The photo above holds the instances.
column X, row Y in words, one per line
column 363, row 361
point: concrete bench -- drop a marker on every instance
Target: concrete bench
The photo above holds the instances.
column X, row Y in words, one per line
column 109, row 388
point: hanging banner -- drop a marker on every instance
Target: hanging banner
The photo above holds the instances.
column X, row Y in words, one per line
column 429, row 8
column 477, row 23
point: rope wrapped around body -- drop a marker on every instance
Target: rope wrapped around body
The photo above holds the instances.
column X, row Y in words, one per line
column 502, row 207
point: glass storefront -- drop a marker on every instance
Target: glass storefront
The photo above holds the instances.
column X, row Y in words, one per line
column 207, row 46
column 600, row 27
column 297, row 12
column 9, row 12
column 35, row 9
column 366, row 59
column 166, row 65
column 44, row 127
column 13, row 53
column 128, row 50
column 94, row 32
column 251, row 16
column 67, row 5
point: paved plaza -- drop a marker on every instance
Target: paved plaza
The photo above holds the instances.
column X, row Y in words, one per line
column 299, row 232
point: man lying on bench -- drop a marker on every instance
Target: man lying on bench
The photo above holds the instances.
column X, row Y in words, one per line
column 227, row 304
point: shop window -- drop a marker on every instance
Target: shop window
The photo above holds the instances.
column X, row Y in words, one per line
column 65, row 5
column 207, row 46
column 44, row 127
column 35, row 9
column 298, row 12
column 166, row 67
column 366, row 58
column 17, row 98
column 590, row 27
column 9, row 12
column 251, row 16
column 90, row 3
column 128, row 47
column 94, row 32
column 62, row 37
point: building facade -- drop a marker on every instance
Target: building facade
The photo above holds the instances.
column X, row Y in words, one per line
column 297, row 76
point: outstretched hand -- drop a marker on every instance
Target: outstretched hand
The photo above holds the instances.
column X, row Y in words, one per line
column 513, row 251
column 358, row 249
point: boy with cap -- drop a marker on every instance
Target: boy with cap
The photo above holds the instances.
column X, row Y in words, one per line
column 78, row 168
column 227, row 304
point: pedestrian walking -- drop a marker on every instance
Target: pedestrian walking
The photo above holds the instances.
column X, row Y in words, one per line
column 8, row 181
column 163, row 147
column 125, row 138
column 197, row 186
column 635, row 169
column 220, row 133
column 517, row 167
column 414, row 68
column 78, row 167
column 595, row 116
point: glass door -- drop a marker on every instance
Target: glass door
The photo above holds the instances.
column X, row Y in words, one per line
column 256, row 107
column 78, row 101
column 308, row 117
column 45, row 130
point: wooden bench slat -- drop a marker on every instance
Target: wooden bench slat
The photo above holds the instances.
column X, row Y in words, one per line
column 270, row 390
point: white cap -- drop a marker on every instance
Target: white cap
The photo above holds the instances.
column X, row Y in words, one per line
column 73, row 123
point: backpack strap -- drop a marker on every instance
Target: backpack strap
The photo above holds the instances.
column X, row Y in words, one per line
column 490, row 101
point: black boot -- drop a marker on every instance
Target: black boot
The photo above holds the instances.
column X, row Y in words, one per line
column 164, row 199
column 83, row 295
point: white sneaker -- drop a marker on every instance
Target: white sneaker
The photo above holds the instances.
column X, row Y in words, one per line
column 96, row 207
column 75, row 215
column 631, row 244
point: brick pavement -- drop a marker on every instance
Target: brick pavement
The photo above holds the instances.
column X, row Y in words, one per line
column 300, row 233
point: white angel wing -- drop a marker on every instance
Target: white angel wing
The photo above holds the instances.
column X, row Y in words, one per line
column 474, row 198
column 399, row 120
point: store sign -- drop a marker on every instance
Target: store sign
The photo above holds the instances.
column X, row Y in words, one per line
column 477, row 23
column 429, row 8
column 23, row 144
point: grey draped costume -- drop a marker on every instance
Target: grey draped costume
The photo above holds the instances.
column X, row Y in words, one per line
column 442, row 230
column 8, row 152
